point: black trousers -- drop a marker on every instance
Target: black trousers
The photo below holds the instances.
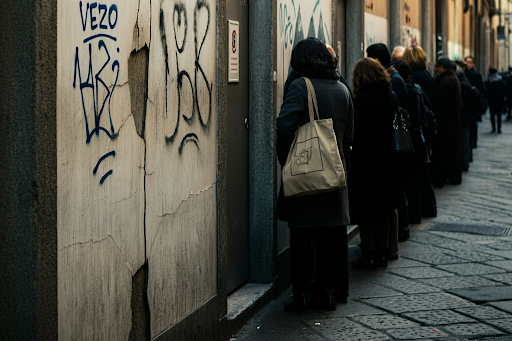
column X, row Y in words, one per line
column 411, row 179
column 428, row 196
column 495, row 116
column 332, row 258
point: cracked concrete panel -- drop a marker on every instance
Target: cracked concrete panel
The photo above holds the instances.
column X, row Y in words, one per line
column 100, row 171
column 94, row 296
column 180, row 136
column 142, row 29
column 183, row 261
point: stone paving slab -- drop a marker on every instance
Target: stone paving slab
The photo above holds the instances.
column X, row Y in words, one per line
column 504, row 324
column 485, row 294
column 467, row 269
column 410, row 303
column 503, row 305
column 438, row 317
column 404, row 263
column 456, row 282
column 501, row 253
column 335, row 331
column 503, row 264
column 504, row 278
column 477, row 256
column 420, row 272
column 438, row 259
column 371, row 290
column 472, row 329
column 410, row 287
column 385, row 321
column 480, row 312
column 354, row 308
column 417, row 333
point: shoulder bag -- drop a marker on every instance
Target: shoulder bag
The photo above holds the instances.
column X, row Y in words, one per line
column 314, row 163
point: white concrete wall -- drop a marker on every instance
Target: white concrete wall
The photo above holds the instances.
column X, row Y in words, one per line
column 157, row 200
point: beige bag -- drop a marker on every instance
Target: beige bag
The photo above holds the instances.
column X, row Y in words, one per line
column 314, row 163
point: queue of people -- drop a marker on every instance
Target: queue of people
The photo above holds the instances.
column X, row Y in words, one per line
column 386, row 191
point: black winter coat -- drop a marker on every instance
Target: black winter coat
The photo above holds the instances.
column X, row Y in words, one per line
column 334, row 101
column 374, row 167
column 428, row 85
column 449, row 122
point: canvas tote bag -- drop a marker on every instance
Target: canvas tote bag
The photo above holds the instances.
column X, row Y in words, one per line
column 314, row 163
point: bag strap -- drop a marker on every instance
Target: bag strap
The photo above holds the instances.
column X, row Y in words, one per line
column 312, row 104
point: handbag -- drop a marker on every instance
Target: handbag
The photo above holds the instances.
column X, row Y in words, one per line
column 401, row 142
column 314, row 163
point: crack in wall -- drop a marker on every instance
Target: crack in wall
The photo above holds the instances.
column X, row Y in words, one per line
column 93, row 241
column 178, row 208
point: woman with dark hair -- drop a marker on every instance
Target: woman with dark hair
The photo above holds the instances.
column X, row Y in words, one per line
column 374, row 166
column 320, row 217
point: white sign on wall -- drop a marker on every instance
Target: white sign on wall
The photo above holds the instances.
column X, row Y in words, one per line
column 233, row 52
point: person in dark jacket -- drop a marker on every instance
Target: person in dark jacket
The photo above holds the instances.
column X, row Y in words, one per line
column 496, row 97
column 447, row 163
column 508, row 87
column 416, row 59
column 374, row 166
column 380, row 52
column 470, row 110
column 320, row 217
column 477, row 81
column 476, row 111
column 411, row 167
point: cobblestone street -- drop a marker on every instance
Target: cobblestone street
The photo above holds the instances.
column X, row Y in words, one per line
column 453, row 280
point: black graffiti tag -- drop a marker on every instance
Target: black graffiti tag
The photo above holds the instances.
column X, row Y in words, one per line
column 184, row 80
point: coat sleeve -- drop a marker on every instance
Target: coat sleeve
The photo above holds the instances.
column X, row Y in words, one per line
column 292, row 110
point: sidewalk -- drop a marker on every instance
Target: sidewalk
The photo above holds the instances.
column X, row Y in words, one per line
column 453, row 280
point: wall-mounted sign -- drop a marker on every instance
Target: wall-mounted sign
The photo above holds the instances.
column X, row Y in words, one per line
column 233, row 52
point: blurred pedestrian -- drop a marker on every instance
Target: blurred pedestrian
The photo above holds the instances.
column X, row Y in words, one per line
column 476, row 111
column 477, row 81
column 397, row 53
column 323, row 217
column 374, row 166
column 470, row 109
column 496, row 97
column 416, row 58
column 447, row 163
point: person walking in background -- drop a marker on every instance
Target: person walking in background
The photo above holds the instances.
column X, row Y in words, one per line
column 401, row 221
column 319, row 217
column 374, row 167
column 496, row 97
column 447, row 160
column 477, row 81
column 416, row 59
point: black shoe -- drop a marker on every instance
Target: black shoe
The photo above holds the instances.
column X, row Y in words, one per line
column 499, row 131
column 324, row 300
column 340, row 299
column 368, row 263
column 393, row 256
column 381, row 262
column 493, row 131
column 299, row 305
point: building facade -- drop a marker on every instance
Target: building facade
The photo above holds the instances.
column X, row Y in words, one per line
column 139, row 172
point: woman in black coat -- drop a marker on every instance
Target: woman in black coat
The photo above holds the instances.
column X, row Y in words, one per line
column 417, row 59
column 374, row 167
column 322, row 217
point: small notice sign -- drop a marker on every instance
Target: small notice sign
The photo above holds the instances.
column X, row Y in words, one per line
column 233, row 52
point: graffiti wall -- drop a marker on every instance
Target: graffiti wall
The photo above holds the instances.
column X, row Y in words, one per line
column 375, row 22
column 136, row 162
column 181, row 160
column 410, row 23
column 297, row 20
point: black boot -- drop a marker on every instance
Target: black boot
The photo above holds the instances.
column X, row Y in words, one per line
column 324, row 300
column 299, row 305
